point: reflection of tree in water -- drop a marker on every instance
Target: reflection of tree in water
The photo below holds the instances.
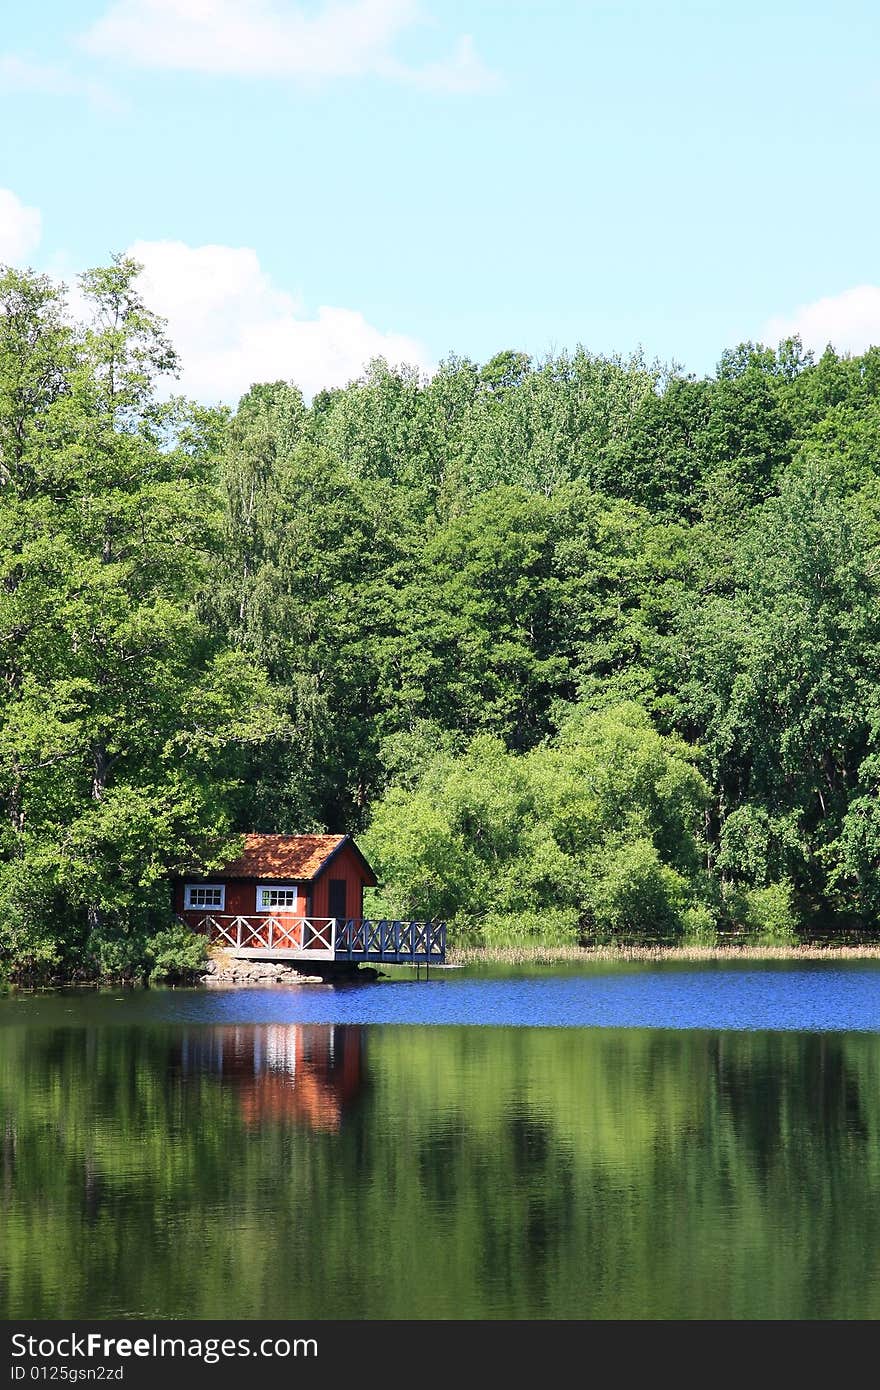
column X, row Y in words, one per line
column 482, row 1172
column 306, row 1073
column 787, row 1092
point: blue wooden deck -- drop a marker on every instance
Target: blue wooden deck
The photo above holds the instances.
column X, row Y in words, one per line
column 396, row 943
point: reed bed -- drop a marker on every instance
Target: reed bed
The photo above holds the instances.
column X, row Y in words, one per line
column 553, row 955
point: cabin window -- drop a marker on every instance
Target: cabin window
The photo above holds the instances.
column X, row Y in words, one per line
column 197, row 895
column 271, row 898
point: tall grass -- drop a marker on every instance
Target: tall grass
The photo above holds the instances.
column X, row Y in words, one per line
column 551, row 955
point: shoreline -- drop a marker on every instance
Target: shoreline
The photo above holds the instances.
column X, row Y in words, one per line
column 221, row 974
column 558, row 955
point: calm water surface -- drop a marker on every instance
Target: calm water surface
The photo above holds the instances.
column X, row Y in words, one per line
column 613, row 1143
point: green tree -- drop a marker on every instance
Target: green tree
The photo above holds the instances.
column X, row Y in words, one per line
column 121, row 715
column 778, row 679
column 595, row 833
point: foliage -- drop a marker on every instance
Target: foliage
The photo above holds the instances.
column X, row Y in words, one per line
column 585, row 645
column 174, row 952
column 593, row 834
column 771, row 914
column 122, row 713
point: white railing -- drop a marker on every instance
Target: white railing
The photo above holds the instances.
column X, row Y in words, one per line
column 264, row 932
column 333, row 938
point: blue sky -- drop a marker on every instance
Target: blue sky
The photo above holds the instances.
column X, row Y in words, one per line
column 419, row 176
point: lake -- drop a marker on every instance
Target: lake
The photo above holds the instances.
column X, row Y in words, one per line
column 607, row 1142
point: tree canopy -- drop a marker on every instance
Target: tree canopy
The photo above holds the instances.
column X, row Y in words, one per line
column 583, row 646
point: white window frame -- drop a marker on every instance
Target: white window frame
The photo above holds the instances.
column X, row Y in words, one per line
column 190, row 906
column 277, row 888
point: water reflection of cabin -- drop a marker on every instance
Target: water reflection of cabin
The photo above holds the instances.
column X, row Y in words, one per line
column 301, row 895
column 307, row 1074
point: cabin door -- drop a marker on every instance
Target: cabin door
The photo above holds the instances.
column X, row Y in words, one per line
column 336, row 898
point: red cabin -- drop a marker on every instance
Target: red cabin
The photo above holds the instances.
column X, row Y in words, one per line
column 289, row 896
column 278, row 879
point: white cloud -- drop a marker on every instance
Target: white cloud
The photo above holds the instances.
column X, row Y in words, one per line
column 20, row 228
column 849, row 321
column 465, row 71
column 20, row 75
column 276, row 38
column 232, row 326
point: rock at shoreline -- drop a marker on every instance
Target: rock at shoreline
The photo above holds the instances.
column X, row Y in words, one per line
column 224, row 969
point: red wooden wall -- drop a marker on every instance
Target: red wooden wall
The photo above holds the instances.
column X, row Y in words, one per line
column 343, row 865
column 241, row 894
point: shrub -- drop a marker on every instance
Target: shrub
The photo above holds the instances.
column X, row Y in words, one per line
column 549, row 927
column 699, row 925
column 176, row 952
column 771, row 914
column 638, row 895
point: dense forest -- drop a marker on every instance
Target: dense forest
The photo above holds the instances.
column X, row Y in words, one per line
column 582, row 648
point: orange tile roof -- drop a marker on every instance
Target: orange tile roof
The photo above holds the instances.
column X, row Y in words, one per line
column 282, row 856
